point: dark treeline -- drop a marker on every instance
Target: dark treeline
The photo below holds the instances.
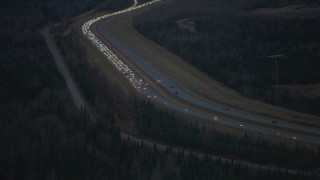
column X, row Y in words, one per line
column 251, row 4
column 162, row 125
column 38, row 122
column 236, row 50
column 43, row 136
column 143, row 1
column 106, row 5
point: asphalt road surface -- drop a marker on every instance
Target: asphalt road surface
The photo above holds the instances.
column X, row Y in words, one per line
column 172, row 87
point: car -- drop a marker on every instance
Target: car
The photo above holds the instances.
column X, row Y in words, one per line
column 277, row 133
column 294, row 138
column 214, row 118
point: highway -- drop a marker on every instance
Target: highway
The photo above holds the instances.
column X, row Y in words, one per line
column 142, row 86
column 80, row 103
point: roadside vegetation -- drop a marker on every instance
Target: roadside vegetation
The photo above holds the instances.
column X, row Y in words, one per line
column 164, row 126
column 251, row 4
column 43, row 135
column 264, row 58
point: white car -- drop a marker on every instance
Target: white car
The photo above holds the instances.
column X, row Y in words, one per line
column 294, row 138
column 277, row 133
column 215, row 118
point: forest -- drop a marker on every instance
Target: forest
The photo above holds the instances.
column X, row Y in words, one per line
column 252, row 4
column 43, row 135
column 164, row 126
column 256, row 56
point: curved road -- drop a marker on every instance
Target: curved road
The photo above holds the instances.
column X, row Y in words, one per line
column 80, row 103
column 171, row 87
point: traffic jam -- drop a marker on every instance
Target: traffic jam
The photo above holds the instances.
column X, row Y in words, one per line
column 121, row 67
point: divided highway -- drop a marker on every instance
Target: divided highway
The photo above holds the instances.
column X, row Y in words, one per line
column 81, row 103
column 142, row 86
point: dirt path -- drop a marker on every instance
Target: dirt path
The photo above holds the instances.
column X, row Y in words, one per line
column 58, row 59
